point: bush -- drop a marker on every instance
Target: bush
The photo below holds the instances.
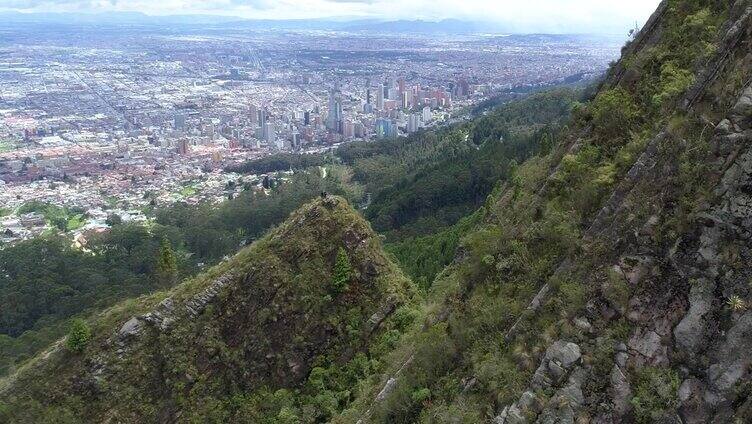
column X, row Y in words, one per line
column 614, row 112
column 420, row 395
column 78, row 336
column 342, row 272
column 655, row 393
column 674, row 81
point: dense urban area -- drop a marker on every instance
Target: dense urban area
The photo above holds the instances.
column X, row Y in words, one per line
column 96, row 122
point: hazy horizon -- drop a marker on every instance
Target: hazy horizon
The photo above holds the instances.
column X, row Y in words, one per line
column 533, row 16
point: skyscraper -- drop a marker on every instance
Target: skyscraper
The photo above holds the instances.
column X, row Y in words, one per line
column 413, row 123
column 270, row 134
column 295, row 142
column 385, row 128
column 262, row 115
column 380, row 99
column 335, row 115
column 427, row 115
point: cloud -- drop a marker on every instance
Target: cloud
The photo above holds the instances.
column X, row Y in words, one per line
column 523, row 16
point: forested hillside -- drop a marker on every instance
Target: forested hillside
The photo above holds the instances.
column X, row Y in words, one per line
column 122, row 263
column 280, row 331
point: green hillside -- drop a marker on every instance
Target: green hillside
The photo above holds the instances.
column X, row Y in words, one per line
column 282, row 329
column 575, row 260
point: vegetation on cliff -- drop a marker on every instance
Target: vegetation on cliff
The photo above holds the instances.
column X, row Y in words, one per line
column 600, row 277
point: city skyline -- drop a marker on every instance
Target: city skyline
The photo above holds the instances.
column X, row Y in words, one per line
column 534, row 16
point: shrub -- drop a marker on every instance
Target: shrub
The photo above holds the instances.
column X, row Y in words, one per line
column 342, row 272
column 614, row 112
column 420, row 395
column 78, row 336
column 674, row 81
column 655, row 393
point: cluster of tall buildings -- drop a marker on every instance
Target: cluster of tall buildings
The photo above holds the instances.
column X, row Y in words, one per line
column 386, row 109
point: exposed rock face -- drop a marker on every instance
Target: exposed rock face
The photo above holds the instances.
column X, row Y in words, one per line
column 689, row 308
column 560, row 358
column 560, row 371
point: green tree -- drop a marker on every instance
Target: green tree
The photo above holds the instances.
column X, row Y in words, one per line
column 78, row 336
column 114, row 219
column 342, row 272
column 166, row 264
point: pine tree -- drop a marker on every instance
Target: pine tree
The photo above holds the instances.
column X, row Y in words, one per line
column 78, row 336
column 166, row 264
column 342, row 272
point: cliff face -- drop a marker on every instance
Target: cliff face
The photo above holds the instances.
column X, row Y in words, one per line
column 256, row 324
column 615, row 287
column 686, row 303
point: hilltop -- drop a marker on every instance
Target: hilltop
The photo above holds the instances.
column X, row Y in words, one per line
column 253, row 329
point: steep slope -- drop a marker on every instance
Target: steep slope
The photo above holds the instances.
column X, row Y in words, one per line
column 273, row 334
column 608, row 281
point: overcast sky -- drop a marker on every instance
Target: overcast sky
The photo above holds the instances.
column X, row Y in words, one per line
column 579, row 16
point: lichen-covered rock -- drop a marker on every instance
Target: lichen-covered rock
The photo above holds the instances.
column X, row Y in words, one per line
column 557, row 362
column 648, row 345
column 131, row 328
column 692, row 332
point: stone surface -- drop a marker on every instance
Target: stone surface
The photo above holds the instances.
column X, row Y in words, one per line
column 131, row 328
column 558, row 370
column 733, row 355
column 693, row 409
column 647, row 343
column 691, row 333
column 621, row 391
column 565, row 353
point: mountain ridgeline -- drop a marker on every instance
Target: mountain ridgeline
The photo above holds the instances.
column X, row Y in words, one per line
column 603, row 277
column 299, row 309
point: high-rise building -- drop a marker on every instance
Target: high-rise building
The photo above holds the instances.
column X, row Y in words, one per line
column 380, row 99
column 262, row 116
column 295, row 143
column 427, row 115
column 407, row 99
column 334, row 117
column 270, row 134
column 182, row 147
column 413, row 123
column 385, row 128
column 348, row 129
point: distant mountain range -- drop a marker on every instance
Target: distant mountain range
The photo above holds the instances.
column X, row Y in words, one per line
column 449, row 26
column 109, row 18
